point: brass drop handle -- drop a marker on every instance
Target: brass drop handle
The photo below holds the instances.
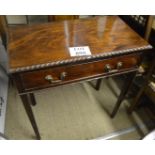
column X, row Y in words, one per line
column 119, row 65
column 107, row 68
column 63, row 75
column 50, row 79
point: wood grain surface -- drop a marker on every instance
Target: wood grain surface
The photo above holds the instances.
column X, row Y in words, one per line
column 49, row 42
column 74, row 73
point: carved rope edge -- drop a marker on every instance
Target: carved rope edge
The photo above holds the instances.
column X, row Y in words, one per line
column 78, row 59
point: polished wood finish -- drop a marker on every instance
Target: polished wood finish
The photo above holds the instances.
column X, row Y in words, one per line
column 61, row 17
column 42, row 43
column 40, row 51
column 36, row 79
column 142, row 24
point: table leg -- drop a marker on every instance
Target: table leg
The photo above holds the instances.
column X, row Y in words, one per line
column 136, row 101
column 127, row 84
column 98, row 84
column 30, row 114
column 32, row 98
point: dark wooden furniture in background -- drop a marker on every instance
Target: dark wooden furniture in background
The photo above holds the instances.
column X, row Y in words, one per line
column 39, row 55
column 61, row 17
column 145, row 88
column 142, row 24
column 137, row 22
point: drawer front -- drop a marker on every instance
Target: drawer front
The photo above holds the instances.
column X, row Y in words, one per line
column 71, row 73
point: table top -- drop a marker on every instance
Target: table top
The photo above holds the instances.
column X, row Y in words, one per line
column 43, row 45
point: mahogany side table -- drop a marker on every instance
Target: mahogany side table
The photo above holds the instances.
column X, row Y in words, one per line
column 40, row 57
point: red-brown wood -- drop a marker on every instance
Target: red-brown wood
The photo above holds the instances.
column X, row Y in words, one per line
column 43, row 43
column 32, row 48
column 52, row 18
column 36, row 79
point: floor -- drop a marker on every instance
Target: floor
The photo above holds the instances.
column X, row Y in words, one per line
column 75, row 111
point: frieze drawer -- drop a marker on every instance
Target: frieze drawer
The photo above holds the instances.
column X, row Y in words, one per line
column 71, row 73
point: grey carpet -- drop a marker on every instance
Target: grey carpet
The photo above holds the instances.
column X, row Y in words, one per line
column 75, row 111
